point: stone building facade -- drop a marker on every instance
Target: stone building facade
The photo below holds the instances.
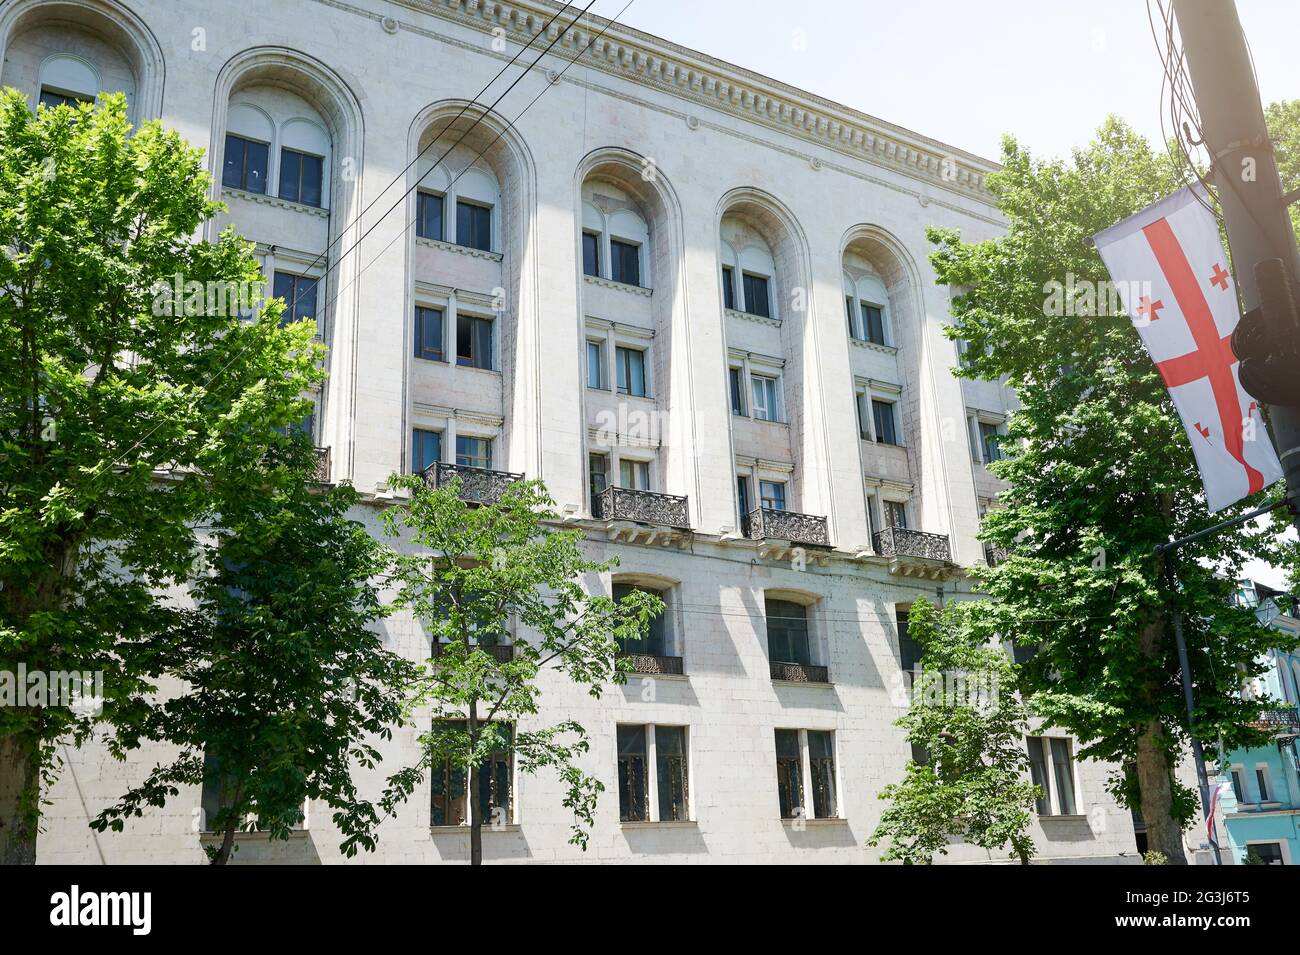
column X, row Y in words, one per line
column 693, row 300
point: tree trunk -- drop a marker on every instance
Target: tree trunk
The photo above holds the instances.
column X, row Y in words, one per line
column 227, row 846
column 1155, row 784
column 471, row 797
column 20, row 793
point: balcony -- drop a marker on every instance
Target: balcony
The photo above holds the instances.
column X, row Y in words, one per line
column 321, row 472
column 477, row 485
column 655, row 665
column 915, row 553
column 501, row 652
column 799, row 673
column 994, row 555
column 768, row 523
column 1279, row 719
column 643, row 507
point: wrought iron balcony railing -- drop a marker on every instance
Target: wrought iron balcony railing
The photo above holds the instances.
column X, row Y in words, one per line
column 768, row 522
column 903, row 542
column 799, row 672
column 649, row 663
column 1279, row 717
column 645, row 507
column 501, row 652
column 321, row 473
column 477, row 485
column 994, row 555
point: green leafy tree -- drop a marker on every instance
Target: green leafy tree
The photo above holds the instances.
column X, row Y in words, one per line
column 478, row 574
column 1283, row 120
column 287, row 686
column 1100, row 472
column 970, row 724
column 114, row 401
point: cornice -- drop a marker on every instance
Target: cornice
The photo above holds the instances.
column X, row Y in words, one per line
column 696, row 77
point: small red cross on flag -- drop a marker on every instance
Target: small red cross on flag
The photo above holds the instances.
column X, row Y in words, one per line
column 1169, row 256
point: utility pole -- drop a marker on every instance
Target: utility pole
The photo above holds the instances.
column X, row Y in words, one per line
column 1245, row 172
column 1260, row 240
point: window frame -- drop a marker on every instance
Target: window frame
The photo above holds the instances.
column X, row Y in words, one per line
column 245, row 142
column 1056, row 805
column 420, row 333
column 302, row 154
column 749, row 280
column 770, row 408
column 424, row 198
column 484, row 442
column 623, row 367
column 890, row 408
column 418, row 437
column 476, row 339
column 476, row 219
column 626, row 251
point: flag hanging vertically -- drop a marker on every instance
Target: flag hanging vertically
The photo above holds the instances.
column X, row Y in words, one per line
column 1169, row 267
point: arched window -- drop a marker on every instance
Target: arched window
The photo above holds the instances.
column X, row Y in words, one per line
column 458, row 200
column 68, row 79
column 866, row 304
column 615, row 236
column 748, row 270
column 276, row 144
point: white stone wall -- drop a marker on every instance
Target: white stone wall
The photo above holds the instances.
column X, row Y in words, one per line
column 687, row 140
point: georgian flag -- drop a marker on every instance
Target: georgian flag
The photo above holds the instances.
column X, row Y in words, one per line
column 1170, row 270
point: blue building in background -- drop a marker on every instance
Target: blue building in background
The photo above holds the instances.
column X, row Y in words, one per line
column 1258, row 820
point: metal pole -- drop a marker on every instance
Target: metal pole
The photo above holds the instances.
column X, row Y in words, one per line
column 1198, row 754
column 1245, row 171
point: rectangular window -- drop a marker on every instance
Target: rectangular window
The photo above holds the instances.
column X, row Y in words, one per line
column 787, row 632
column 764, row 394
column 632, row 774
column 863, row 428
column 789, row 774
column 428, row 215
column 654, row 640
column 1238, row 788
column 299, row 294
column 634, row 475
column 624, row 262
column 1261, row 780
column 873, row 323
column 473, row 225
column 989, row 439
column 301, row 177
column 1038, row 776
column 1269, row 853
column 630, row 364
column 735, row 380
column 728, row 287
column 449, row 784
column 474, row 452
column 216, row 792
column 597, row 474
column 909, row 651
column 772, row 495
column 742, row 501
column 590, row 254
column 246, row 164
column 596, row 365
column 848, row 309
column 895, row 514
column 474, row 342
column 428, row 334
column 756, row 295
column 426, row 449
column 671, row 773
column 882, row 413
column 1051, row 767
column 51, row 98
column 821, row 760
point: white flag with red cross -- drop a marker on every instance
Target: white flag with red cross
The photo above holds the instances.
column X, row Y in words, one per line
column 1169, row 267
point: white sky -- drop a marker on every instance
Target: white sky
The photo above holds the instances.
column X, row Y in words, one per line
column 961, row 71
column 964, row 72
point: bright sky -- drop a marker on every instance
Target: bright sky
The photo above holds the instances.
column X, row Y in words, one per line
column 961, row 71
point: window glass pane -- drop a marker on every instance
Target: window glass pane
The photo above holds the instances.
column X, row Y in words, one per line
column 873, row 321
column 787, row 632
column 473, row 225
column 763, row 391
column 728, row 287
column 789, row 773
column 742, row 500
column 1038, row 775
column 821, row 760
column 299, row 295
column 631, row 371
column 737, row 390
column 989, row 438
column 634, row 474
column 246, row 164
column 473, row 452
column 426, row 449
column 772, row 494
column 232, row 173
column 313, row 177
column 895, row 514
column 473, row 342
column 1261, row 780
column 1238, row 791
column 625, row 262
column 598, row 474
column 290, row 174
column 590, row 254
column 632, row 774
column 909, row 651
column 756, row 295
column 883, row 413
column 670, row 755
column 428, row 334
column 595, row 365
column 1063, row 776
column 654, row 641
column 428, row 216
column 848, row 310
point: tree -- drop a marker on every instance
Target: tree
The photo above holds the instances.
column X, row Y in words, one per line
column 969, row 723
column 1100, row 472
column 1283, row 120
column 287, row 688
column 480, row 574
column 113, row 398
